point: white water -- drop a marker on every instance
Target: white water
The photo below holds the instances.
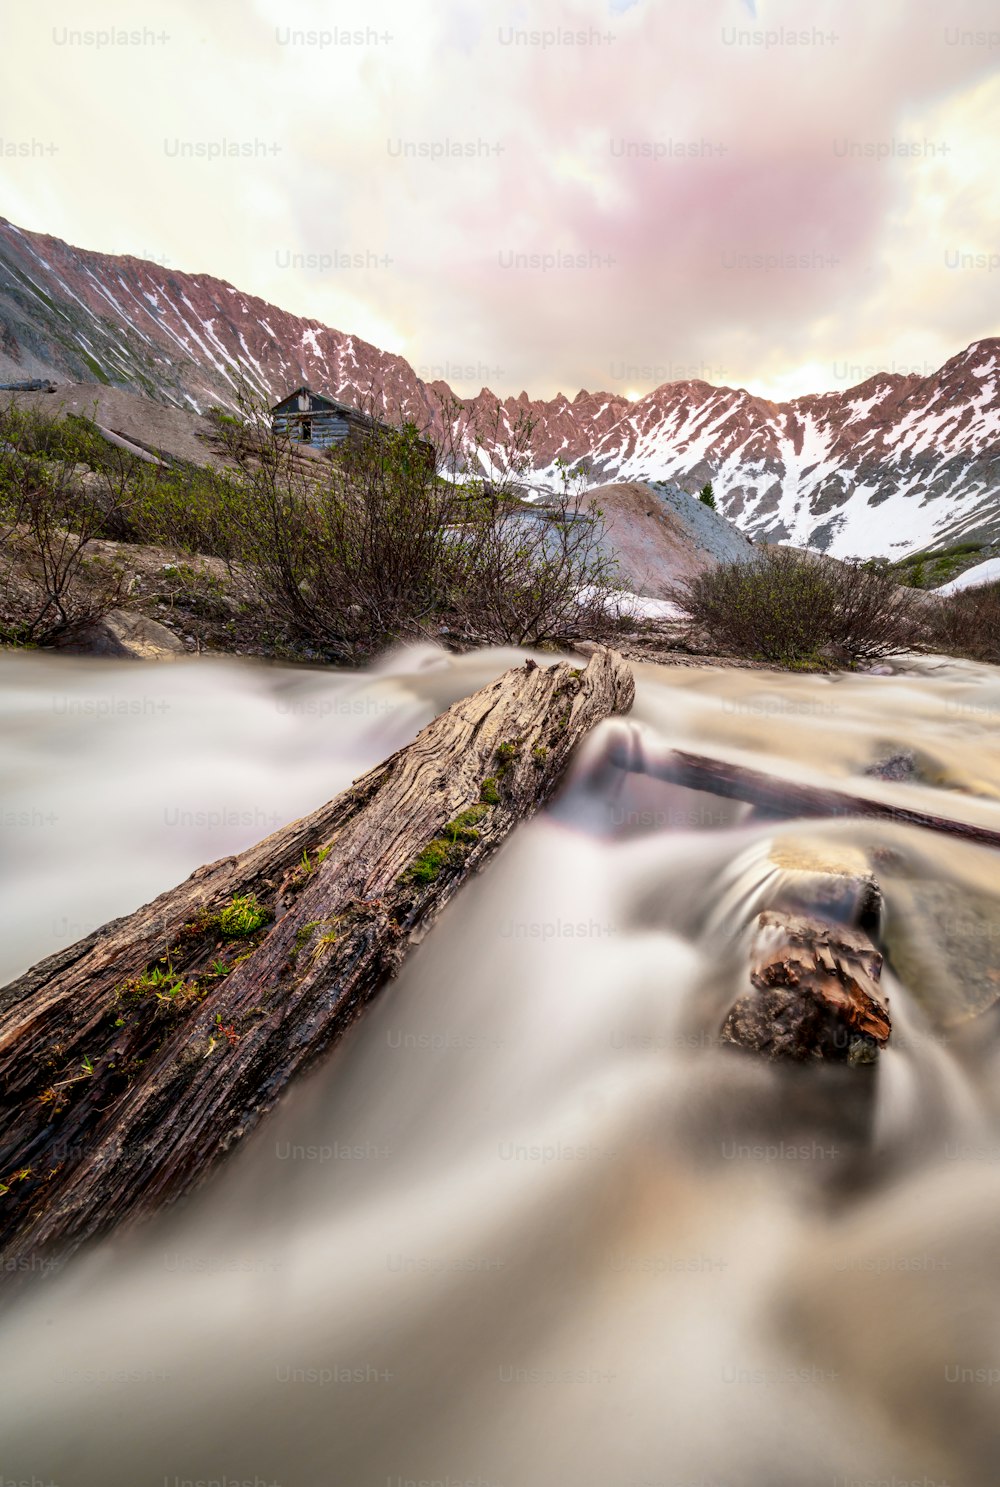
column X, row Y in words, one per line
column 527, row 1225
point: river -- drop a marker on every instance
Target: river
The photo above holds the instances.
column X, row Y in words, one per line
column 528, row 1224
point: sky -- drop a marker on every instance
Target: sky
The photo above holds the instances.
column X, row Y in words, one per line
column 783, row 195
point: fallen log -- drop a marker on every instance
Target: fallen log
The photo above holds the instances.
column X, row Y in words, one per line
column 775, row 795
column 137, row 451
column 131, row 1062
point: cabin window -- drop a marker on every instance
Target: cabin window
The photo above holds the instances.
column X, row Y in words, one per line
column 307, row 430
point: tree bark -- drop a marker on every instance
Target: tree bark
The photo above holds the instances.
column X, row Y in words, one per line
column 816, row 992
column 134, row 1060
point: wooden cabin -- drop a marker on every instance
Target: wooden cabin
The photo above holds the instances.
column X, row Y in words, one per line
column 310, row 418
column 323, row 423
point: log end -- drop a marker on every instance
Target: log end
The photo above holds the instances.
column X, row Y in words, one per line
column 815, row 993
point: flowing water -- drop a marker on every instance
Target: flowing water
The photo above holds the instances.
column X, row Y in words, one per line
column 528, row 1224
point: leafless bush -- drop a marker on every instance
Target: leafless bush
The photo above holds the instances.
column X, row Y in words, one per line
column 390, row 538
column 534, row 572
column 967, row 623
column 797, row 608
column 48, row 518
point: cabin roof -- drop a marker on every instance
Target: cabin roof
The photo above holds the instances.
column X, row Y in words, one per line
column 316, row 396
column 323, row 403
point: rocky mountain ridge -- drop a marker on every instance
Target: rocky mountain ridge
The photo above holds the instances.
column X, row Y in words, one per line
column 896, row 464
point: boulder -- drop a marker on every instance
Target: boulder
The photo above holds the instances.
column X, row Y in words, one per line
column 123, row 634
column 661, row 537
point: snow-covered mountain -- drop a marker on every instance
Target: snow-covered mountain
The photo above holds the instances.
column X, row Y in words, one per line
column 887, row 467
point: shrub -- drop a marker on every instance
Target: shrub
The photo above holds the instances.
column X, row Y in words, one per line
column 792, row 607
column 199, row 511
column 967, row 623
column 707, row 495
column 375, row 544
column 48, row 518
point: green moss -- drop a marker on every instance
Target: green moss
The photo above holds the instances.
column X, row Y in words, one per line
column 490, row 792
column 462, row 828
column 539, row 754
column 432, row 859
column 305, row 934
column 450, row 848
column 241, row 917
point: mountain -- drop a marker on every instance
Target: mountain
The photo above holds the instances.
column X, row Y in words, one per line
column 891, row 466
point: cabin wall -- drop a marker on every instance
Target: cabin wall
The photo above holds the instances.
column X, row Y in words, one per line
column 322, row 429
column 322, row 425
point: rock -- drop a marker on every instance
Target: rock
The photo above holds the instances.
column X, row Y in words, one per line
column 660, row 536
column 831, row 880
column 815, row 993
column 123, row 634
column 901, row 766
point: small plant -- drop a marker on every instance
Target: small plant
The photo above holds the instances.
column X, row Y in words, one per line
column 707, row 495
column 228, row 1030
column 164, row 982
column 303, row 935
column 21, row 1175
column 241, row 917
column 306, row 932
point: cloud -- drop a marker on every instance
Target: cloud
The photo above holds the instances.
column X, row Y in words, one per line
column 563, row 198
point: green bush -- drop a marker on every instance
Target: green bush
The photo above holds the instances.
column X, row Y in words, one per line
column 199, row 511
column 48, row 519
column 707, row 495
column 383, row 540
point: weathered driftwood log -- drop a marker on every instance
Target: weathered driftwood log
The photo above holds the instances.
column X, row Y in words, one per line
column 816, row 992
column 131, row 1062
